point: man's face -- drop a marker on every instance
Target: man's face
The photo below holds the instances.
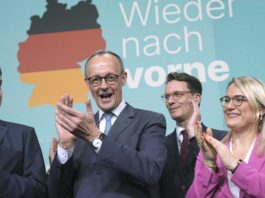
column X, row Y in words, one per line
column 180, row 108
column 107, row 97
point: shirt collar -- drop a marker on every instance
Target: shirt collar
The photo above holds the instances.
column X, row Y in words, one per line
column 178, row 130
column 116, row 111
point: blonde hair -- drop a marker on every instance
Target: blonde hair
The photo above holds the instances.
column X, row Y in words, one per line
column 254, row 90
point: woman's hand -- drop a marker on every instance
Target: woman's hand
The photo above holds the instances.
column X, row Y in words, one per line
column 208, row 151
column 228, row 159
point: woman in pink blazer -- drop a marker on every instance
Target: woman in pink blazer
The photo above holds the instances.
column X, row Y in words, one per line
column 234, row 167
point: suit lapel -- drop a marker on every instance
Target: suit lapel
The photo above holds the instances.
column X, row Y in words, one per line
column 96, row 116
column 123, row 121
column 173, row 151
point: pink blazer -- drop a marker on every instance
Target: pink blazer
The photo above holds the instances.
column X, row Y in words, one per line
column 250, row 178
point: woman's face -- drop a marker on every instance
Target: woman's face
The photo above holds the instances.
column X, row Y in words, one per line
column 238, row 118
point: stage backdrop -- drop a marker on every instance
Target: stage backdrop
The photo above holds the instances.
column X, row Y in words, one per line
column 43, row 46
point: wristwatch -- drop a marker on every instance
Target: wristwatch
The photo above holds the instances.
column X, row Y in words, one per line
column 98, row 141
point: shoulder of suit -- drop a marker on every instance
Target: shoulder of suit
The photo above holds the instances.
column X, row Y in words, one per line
column 15, row 125
column 172, row 134
column 144, row 113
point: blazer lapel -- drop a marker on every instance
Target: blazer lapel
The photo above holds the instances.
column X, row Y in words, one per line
column 173, row 152
column 254, row 160
column 96, row 116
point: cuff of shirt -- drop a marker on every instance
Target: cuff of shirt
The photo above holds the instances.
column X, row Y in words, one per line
column 64, row 155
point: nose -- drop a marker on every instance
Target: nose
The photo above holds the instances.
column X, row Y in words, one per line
column 229, row 105
column 170, row 100
column 104, row 84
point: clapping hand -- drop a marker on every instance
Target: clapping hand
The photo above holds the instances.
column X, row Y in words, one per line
column 228, row 159
column 76, row 123
column 195, row 117
column 208, row 151
column 66, row 139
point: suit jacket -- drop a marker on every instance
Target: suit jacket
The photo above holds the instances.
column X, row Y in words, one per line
column 129, row 163
column 22, row 170
column 176, row 180
column 250, row 178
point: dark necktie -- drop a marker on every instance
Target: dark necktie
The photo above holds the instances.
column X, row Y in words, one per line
column 108, row 117
column 184, row 148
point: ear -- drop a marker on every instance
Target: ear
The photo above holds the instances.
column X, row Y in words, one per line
column 124, row 78
column 197, row 98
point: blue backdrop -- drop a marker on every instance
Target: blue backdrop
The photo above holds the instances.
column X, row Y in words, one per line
column 213, row 40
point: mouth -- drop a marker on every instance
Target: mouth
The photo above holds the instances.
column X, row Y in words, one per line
column 174, row 109
column 232, row 115
column 105, row 96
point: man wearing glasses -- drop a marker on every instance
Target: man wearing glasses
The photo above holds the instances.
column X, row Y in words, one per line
column 118, row 152
column 180, row 92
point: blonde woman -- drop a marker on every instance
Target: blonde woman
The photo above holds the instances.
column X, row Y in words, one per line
column 234, row 167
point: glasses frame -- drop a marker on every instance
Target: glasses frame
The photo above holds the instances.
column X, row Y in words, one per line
column 176, row 95
column 234, row 99
column 88, row 80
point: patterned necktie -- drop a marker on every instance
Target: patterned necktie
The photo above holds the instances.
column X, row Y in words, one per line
column 184, row 148
column 108, row 117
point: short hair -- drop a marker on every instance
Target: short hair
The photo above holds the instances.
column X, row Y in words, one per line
column 194, row 85
column 101, row 53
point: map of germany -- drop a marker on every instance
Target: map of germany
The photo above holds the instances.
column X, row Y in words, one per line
column 57, row 42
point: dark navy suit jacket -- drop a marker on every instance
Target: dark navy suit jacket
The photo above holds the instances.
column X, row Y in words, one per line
column 129, row 163
column 176, row 180
column 22, row 170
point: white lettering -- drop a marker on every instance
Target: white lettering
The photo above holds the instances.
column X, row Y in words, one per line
column 218, row 70
column 172, row 43
column 134, row 82
column 136, row 9
column 159, row 72
column 154, row 76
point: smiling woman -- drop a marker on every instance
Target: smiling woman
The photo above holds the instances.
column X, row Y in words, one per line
column 226, row 166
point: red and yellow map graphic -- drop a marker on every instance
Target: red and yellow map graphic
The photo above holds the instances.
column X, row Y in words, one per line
column 57, row 43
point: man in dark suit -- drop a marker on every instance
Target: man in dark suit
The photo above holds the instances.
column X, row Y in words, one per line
column 22, row 170
column 94, row 161
column 182, row 92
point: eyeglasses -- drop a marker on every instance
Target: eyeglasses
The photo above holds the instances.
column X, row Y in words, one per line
column 97, row 80
column 175, row 95
column 237, row 100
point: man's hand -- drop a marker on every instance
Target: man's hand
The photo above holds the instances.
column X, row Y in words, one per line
column 195, row 117
column 76, row 123
column 66, row 139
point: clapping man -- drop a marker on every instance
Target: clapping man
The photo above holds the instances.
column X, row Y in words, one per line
column 182, row 92
column 118, row 152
